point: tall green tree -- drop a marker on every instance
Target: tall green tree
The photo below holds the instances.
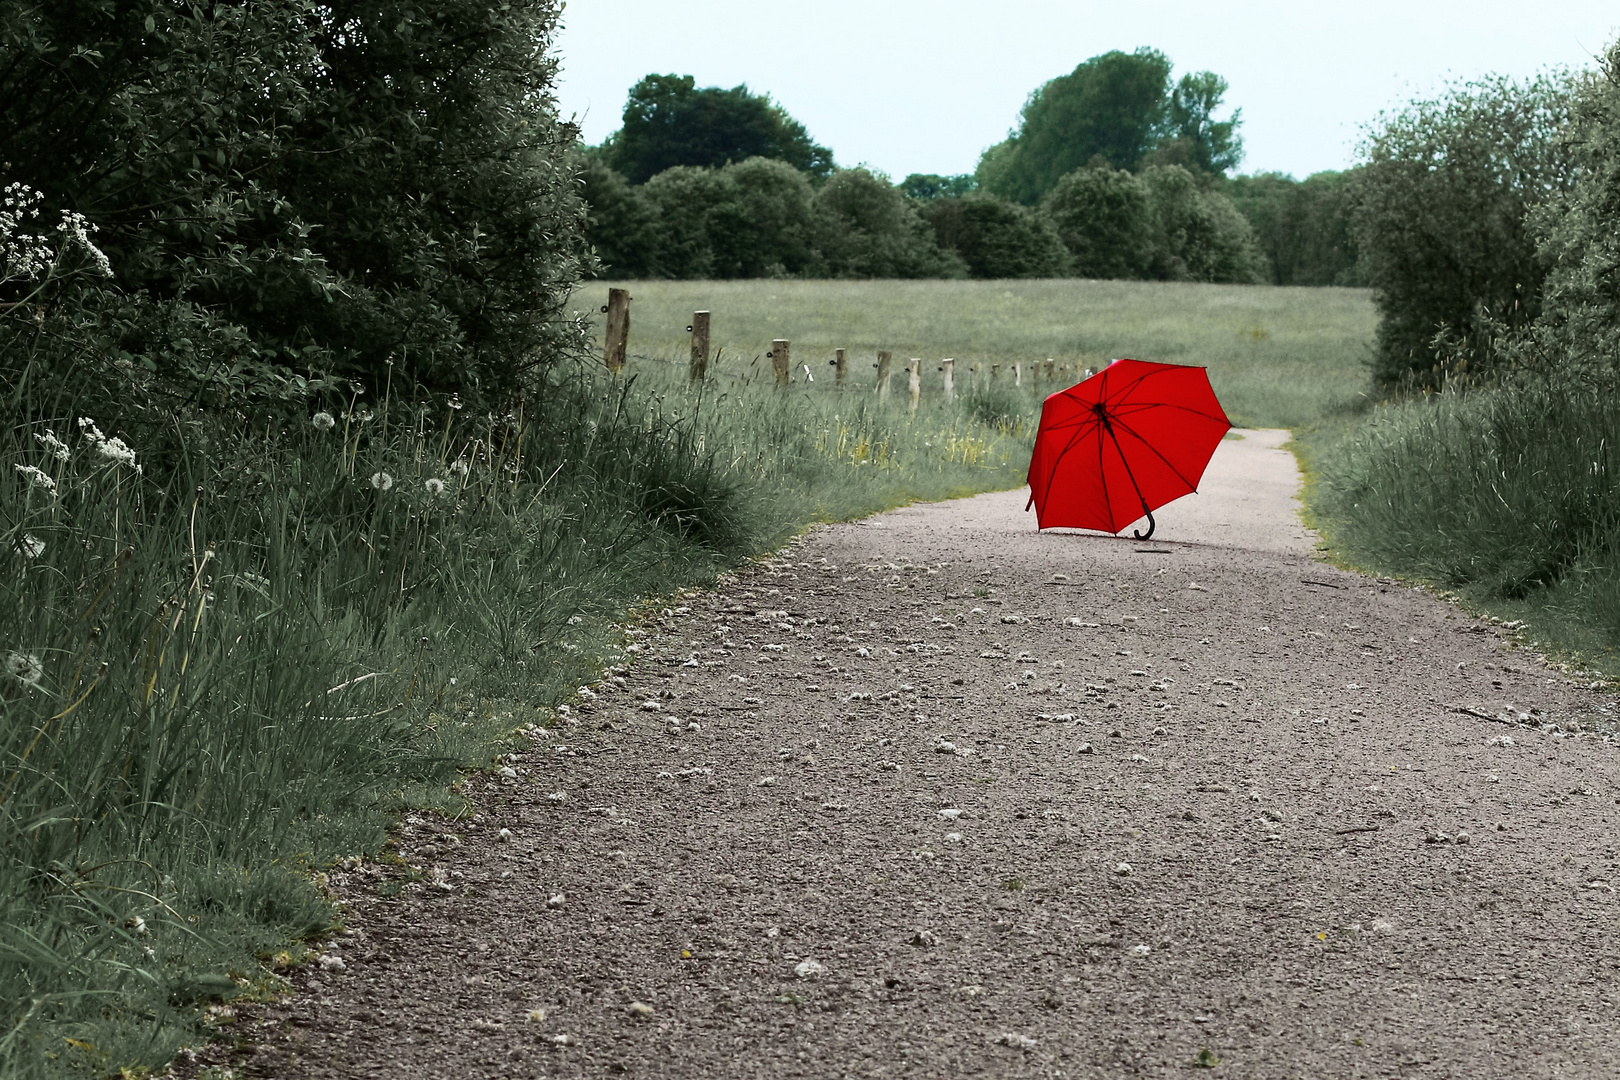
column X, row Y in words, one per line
column 1110, row 108
column 670, row 121
column 869, row 229
column 1302, row 226
column 1210, row 145
column 1440, row 219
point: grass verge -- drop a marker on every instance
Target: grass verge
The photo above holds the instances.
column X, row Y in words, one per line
column 1504, row 495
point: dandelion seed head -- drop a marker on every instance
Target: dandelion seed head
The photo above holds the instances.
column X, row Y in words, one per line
column 460, row 467
column 31, row 546
column 323, row 421
column 434, row 485
column 455, row 401
column 381, row 481
column 26, row 668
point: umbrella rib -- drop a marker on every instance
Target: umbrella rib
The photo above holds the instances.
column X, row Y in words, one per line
column 1143, row 406
column 1109, row 428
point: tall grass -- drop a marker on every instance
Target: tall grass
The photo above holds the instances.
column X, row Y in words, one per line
column 1508, row 493
column 236, row 663
column 1277, row 357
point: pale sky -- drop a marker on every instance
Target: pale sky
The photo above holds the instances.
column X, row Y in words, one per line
column 908, row 86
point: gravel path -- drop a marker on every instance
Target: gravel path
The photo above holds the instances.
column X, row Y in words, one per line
column 933, row 795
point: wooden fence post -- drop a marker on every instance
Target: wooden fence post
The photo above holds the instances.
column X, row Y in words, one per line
column 883, row 376
column 995, row 372
column 1018, row 373
column 914, row 381
column 842, row 368
column 1049, row 364
column 618, row 328
column 779, row 360
column 975, row 373
column 700, row 346
column 949, row 368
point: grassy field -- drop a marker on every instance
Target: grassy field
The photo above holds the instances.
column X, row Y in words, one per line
column 1277, row 357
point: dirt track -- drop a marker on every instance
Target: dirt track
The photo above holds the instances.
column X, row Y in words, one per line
column 933, row 795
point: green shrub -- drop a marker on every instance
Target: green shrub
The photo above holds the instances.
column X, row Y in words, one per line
column 1440, row 223
column 869, row 230
column 1197, row 234
column 278, row 197
column 997, row 238
column 1302, row 227
column 1103, row 216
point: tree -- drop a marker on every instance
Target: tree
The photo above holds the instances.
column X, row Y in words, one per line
column 1439, row 218
column 1103, row 216
column 868, row 229
column 1302, row 227
column 1198, row 235
column 366, row 188
column 997, row 238
column 621, row 222
column 1211, row 146
column 1111, row 107
column 933, row 186
column 669, row 121
column 765, row 227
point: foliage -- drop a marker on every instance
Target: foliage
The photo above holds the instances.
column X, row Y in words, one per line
column 287, row 186
column 683, row 200
column 1440, row 224
column 1578, row 235
column 1111, row 107
column 622, row 222
column 1197, row 234
column 1116, row 110
column 669, row 121
column 933, row 186
column 997, row 238
column 868, row 229
column 1103, row 216
column 1210, row 145
column 1302, row 227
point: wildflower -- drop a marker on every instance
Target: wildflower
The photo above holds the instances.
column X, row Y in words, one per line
column 356, row 387
column 26, row 668
column 91, row 432
column 434, row 485
column 76, row 230
column 381, row 481
column 460, row 467
column 31, row 546
column 323, row 421
column 118, row 451
column 38, row 478
column 455, row 401
column 53, row 446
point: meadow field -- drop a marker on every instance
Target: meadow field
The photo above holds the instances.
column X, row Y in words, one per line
column 1277, row 357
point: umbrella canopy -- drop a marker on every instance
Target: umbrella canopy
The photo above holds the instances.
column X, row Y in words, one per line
column 1121, row 444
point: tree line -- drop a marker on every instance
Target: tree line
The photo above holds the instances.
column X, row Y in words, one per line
column 1114, row 171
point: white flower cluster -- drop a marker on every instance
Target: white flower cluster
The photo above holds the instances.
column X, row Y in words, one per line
column 115, row 450
column 31, row 546
column 38, row 478
column 26, row 256
column 53, row 446
column 23, row 256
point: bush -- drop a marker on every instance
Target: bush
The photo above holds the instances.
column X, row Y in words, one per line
column 997, row 238
column 1302, row 227
column 1102, row 214
column 867, row 229
column 1198, row 235
column 325, row 200
column 621, row 224
column 766, row 225
column 1440, row 223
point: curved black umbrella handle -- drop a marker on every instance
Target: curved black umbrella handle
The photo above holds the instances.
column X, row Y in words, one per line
column 1139, row 534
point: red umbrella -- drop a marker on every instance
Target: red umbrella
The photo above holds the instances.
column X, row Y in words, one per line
column 1122, row 443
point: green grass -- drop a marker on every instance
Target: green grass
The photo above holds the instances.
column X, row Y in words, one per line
column 1507, row 495
column 1277, row 357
